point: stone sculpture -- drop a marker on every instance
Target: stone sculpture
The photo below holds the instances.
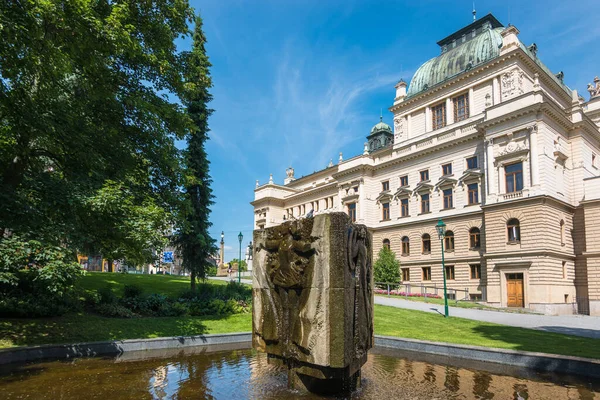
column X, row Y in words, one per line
column 594, row 89
column 313, row 300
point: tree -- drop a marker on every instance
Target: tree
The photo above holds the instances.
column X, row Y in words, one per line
column 194, row 240
column 82, row 103
column 387, row 267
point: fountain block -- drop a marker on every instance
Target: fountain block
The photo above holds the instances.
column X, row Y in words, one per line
column 313, row 300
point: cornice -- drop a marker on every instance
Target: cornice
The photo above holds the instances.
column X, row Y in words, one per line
column 529, row 253
column 433, row 220
column 312, row 191
column 268, row 200
column 358, row 168
column 448, row 260
column 542, row 199
column 274, row 186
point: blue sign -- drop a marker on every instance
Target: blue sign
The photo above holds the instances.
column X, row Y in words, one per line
column 168, row 257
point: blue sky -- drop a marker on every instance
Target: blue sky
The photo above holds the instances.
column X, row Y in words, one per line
column 297, row 82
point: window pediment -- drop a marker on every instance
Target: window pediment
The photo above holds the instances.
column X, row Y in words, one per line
column 470, row 176
column 445, row 182
column 350, row 197
column 385, row 195
column 423, row 187
column 402, row 192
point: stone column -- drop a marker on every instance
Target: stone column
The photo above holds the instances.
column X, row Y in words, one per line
column 471, row 102
column 361, row 201
column 489, row 167
column 428, row 121
column 496, row 90
column 408, row 127
column 534, row 159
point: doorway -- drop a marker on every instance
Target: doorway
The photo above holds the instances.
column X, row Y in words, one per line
column 514, row 286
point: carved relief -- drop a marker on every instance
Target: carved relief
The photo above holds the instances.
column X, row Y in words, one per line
column 399, row 126
column 512, row 83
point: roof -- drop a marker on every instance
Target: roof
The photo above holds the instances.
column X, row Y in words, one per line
column 466, row 55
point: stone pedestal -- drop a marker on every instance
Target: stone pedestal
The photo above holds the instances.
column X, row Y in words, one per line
column 313, row 300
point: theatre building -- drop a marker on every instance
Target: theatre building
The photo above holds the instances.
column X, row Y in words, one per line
column 487, row 138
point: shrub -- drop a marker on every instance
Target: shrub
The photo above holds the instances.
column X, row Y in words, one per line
column 106, row 295
column 131, row 291
column 114, row 310
column 36, row 279
column 386, row 268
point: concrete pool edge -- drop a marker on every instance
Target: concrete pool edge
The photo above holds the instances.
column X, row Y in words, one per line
column 537, row 361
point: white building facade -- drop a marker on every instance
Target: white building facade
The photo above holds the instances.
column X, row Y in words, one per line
column 488, row 139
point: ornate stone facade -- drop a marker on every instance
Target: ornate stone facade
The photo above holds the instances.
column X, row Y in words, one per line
column 504, row 152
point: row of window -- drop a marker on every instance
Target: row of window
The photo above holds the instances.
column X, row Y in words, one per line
column 474, row 242
column 424, row 174
column 448, row 270
column 448, row 201
column 513, row 230
column 313, row 205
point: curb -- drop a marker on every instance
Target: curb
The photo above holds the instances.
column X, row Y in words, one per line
column 116, row 347
column 536, row 361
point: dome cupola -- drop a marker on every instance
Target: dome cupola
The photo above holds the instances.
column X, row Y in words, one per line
column 381, row 136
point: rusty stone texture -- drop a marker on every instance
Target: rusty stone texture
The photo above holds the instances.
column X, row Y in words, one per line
column 313, row 295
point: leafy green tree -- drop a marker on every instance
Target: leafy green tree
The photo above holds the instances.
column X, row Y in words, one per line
column 194, row 240
column 387, row 267
column 244, row 265
column 82, row 104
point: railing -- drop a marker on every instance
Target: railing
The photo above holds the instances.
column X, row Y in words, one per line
column 513, row 195
column 407, row 290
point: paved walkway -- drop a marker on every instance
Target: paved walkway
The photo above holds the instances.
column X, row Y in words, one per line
column 579, row 325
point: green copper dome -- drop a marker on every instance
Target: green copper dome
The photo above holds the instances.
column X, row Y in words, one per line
column 475, row 45
column 381, row 126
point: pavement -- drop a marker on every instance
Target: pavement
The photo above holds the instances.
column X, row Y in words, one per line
column 578, row 325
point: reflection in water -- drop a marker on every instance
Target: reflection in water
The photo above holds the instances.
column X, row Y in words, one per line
column 242, row 374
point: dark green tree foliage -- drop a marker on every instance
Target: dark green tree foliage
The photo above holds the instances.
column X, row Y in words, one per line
column 194, row 241
column 387, row 267
column 82, row 102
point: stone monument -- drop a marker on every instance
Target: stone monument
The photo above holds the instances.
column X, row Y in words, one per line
column 313, row 300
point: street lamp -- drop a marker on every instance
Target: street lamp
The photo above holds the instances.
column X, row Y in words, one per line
column 240, row 237
column 441, row 230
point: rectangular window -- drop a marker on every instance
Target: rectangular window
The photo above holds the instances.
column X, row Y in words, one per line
column 448, row 203
column 352, row 211
column 473, row 193
column 424, row 175
column 474, row 239
column 475, row 296
column 449, row 272
column 426, row 273
column 386, row 211
column 404, row 207
column 461, row 107
column 447, row 169
column 472, row 163
column 476, row 271
column 404, row 180
column 424, row 203
column 385, row 186
column 514, row 177
column 438, row 113
column 405, row 274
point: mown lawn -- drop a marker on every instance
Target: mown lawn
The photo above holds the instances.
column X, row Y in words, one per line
column 389, row 321
column 169, row 285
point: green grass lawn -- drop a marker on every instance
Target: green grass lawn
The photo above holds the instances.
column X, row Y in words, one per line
column 169, row 285
column 389, row 321
column 451, row 303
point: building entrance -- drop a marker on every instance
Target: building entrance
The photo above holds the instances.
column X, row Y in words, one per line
column 514, row 283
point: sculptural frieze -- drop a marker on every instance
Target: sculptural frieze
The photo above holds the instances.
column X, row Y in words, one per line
column 594, row 89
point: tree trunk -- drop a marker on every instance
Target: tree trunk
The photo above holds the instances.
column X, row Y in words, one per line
column 111, row 267
column 193, row 280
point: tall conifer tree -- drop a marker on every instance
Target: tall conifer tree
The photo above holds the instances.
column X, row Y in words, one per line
column 194, row 241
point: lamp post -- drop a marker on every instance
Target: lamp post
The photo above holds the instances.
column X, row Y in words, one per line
column 441, row 230
column 240, row 237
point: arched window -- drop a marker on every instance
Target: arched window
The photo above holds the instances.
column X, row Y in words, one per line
column 386, row 244
column 405, row 246
column 474, row 238
column 562, row 232
column 449, row 241
column 513, row 230
column 426, row 240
